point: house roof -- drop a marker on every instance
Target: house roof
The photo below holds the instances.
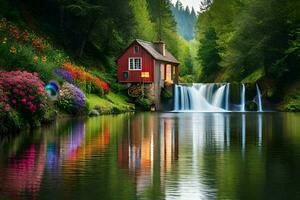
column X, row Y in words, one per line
column 150, row 48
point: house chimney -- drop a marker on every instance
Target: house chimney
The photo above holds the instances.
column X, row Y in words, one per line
column 160, row 47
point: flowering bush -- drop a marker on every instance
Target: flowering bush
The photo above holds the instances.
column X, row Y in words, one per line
column 71, row 99
column 24, row 37
column 25, row 91
column 82, row 76
column 14, row 32
column 67, row 76
column 38, row 44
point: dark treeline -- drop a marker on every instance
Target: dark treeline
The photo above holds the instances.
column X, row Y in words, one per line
column 97, row 31
column 245, row 40
column 185, row 19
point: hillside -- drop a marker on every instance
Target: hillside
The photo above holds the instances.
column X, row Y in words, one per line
column 73, row 46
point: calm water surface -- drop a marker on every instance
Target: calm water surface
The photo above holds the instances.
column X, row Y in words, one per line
column 156, row 156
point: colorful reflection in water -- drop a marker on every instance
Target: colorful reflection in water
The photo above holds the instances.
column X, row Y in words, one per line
column 156, row 156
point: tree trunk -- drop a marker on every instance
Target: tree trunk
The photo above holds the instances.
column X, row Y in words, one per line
column 82, row 45
column 85, row 36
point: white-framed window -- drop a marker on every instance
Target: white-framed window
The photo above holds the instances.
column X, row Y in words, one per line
column 135, row 63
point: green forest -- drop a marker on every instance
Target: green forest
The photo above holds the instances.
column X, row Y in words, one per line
column 252, row 41
column 246, row 41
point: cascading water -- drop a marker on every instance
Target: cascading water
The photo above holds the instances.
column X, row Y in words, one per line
column 210, row 97
column 227, row 96
column 201, row 97
column 218, row 97
column 243, row 98
column 259, row 101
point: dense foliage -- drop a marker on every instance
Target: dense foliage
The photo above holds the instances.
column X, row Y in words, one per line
column 24, row 50
column 256, row 40
column 252, row 35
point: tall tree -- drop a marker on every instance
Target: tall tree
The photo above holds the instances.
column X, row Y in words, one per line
column 161, row 14
column 144, row 27
column 88, row 13
column 209, row 55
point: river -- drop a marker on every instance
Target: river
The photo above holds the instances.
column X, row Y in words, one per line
column 156, row 156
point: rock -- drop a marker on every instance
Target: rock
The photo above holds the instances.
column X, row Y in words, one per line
column 94, row 113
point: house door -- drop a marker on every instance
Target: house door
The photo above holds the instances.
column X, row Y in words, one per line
column 169, row 73
column 162, row 72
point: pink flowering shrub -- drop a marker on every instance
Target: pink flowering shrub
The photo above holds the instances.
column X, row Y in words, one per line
column 24, row 91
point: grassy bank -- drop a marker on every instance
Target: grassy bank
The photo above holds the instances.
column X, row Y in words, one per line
column 111, row 104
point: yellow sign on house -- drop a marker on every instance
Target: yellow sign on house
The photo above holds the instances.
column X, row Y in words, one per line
column 145, row 74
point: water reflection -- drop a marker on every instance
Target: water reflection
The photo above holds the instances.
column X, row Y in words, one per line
column 25, row 174
column 155, row 156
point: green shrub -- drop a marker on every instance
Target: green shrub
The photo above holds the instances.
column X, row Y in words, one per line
column 86, row 109
column 293, row 101
column 23, row 59
column 50, row 113
column 165, row 94
column 97, row 90
column 10, row 122
column 144, row 103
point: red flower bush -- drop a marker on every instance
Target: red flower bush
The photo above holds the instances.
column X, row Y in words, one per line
column 38, row 44
column 14, row 32
column 82, row 76
column 24, row 37
column 25, row 91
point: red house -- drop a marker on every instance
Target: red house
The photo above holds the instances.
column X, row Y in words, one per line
column 148, row 63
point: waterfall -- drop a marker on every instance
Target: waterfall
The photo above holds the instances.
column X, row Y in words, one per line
column 243, row 98
column 212, row 97
column 259, row 103
column 219, row 97
column 227, row 96
column 176, row 100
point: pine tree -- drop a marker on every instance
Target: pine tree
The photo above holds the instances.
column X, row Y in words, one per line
column 143, row 26
column 161, row 14
column 208, row 53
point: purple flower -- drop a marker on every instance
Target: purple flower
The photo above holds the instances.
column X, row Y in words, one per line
column 79, row 98
column 71, row 98
column 67, row 76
